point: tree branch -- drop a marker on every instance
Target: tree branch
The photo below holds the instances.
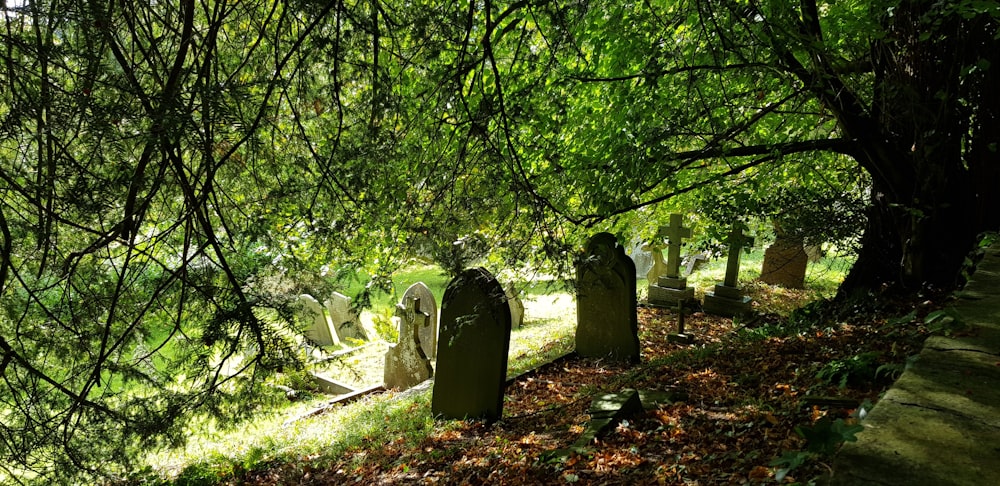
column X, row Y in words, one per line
column 669, row 72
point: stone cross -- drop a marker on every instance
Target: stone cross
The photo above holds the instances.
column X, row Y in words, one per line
column 406, row 365
column 674, row 233
column 736, row 241
column 428, row 333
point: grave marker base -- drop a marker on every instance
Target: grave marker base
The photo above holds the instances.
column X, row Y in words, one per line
column 665, row 296
column 726, row 301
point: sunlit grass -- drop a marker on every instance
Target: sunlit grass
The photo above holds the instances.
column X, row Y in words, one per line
column 821, row 282
column 296, row 433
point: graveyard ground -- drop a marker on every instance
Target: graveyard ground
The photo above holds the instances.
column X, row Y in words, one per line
column 746, row 395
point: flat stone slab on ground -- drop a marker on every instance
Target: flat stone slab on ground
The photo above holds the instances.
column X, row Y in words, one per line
column 939, row 424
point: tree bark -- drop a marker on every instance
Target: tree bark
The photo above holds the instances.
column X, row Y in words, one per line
column 933, row 189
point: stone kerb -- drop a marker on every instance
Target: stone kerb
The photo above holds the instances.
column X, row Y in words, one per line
column 939, row 424
column 607, row 322
column 472, row 349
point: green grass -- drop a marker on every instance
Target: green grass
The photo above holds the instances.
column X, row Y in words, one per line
column 822, row 277
column 277, row 436
column 290, row 434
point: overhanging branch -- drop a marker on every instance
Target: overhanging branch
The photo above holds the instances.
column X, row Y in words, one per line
column 668, row 72
column 765, row 153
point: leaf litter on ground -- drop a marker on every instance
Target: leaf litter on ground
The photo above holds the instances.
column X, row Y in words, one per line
column 742, row 383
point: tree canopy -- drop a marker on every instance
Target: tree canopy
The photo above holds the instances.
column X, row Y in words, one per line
column 173, row 171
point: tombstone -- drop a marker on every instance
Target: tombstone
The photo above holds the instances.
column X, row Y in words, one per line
column 428, row 333
column 406, row 365
column 692, row 261
column 516, row 308
column 607, row 322
column 785, row 263
column 671, row 288
column 728, row 299
column 345, row 321
column 643, row 259
column 815, row 252
column 472, row 348
column 659, row 267
column 318, row 329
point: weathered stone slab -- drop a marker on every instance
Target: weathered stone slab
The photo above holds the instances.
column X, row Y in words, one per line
column 642, row 259
column 318, row 326
column 669, row 297
column 428, row 333
column 694, row 261
column 472, row 348
column 939, row 424
column 344, row 319
column 406, row 365
column 785, row 264
column 607, row 322
column 726, row 301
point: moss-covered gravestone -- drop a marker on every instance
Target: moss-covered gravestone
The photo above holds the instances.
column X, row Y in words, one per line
column 785, row 263
column 472, row 348
column 607, row 323
column 427, row 332
column 406, row 365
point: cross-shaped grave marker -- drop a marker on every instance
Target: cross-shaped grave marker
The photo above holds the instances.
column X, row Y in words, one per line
column 728, row 298
column 736, row 240
column 670, row 288
column 406, row 365
column 675, row 233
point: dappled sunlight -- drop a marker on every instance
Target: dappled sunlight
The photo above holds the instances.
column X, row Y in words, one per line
column 737, row 389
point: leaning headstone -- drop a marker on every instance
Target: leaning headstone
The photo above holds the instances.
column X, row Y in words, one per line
column 643, row 259
column 428, row 333
column 516, row 308
column 785, row 264
column 472, row 348
column 345, row 320
column 406, row 365
column 671, row 288
column 318, row 328
column 606, row 319
column 728, row 299
column 693, row 261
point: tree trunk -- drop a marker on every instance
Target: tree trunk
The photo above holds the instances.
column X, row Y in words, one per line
column 934, row 186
